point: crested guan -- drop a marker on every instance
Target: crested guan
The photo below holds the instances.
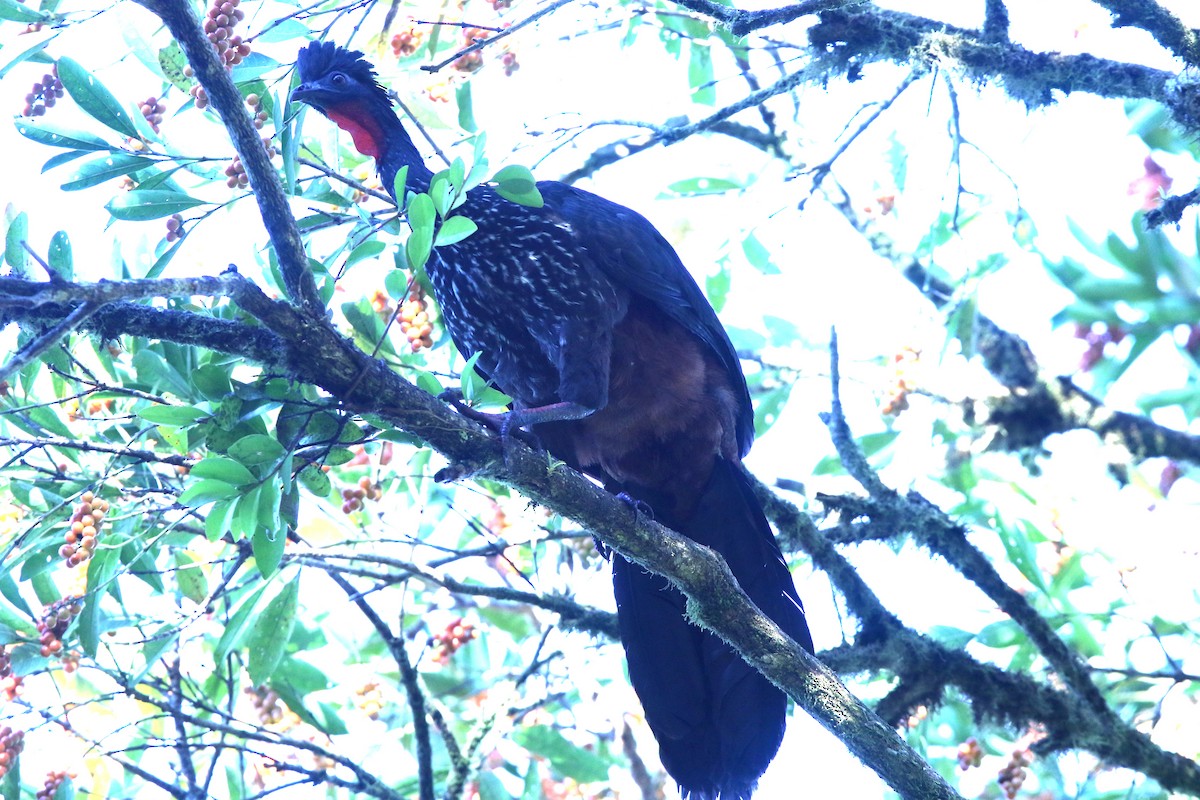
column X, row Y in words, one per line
column 584, row 315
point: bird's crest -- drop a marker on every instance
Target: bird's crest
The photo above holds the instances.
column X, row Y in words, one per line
column 318, row 59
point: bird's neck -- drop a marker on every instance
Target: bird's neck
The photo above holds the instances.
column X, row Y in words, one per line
column 377, row 132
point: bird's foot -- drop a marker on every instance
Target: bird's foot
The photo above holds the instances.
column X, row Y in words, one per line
column 500, row 423
column 639, row 507
column 604, row 550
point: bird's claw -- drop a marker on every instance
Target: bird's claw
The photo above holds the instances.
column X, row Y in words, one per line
column 640, row 507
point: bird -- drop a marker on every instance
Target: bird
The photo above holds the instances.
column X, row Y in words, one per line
column 584, row 314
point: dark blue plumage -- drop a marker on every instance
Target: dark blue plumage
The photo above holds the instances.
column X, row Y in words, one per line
column 583, row 313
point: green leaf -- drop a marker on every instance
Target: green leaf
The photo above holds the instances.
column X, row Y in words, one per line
column 694, row 187
column 56, row 136
column 93, row 98
column 758, row 255
column 253, row 66
column 700, row 74
column 105, row 168
column 267, row 545
column 178, row 416
column 175, row 437
column 47, row 419
column 454, row 230
column 421, row 215
column 769, row 407
column 315, row 481
column 516, row 183
column 64, row 158
column 17, row 12
column 398, row 185
column 100, row 571
column 14, row 240
column 207, row 491
column 171, row 61
column 220, row 520
column 255, row 449
column 364, row 252
column 570, row 760
column 140, row 205
column 952, row 638
column 239, row 623
column 1005, row 633
column 222, row 469
column 12, row 618
column 212, row 380
column 189, row 577
column 466, row 108
column 59, row 256
column 34, row 44
column 271, row 632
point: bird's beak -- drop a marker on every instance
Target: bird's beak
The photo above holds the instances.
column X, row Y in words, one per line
column 304, row 93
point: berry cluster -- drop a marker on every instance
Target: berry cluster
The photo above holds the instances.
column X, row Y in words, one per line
column 1097, row 337
column 500, row 525
column 352, row 499
column 1013, row 775
column 102, row 405
column 235, row 173
column 882, row 206
column 51, row 784
column 223, row 16
column 447, row 643
column 153, row 109
column 11, row 744
column 902, row 384
column 10, row 687
column 381, row 304
column 406, row 42
column 54, row 623
column 266, row 703
column 44, row 94
column 509, row 62
column 970, row 754
column 470, row 62
column 918, row 715
column 565, row 789
column 369, row 699
column 255, row 104
column 197, row 91
column 174, row 227
column 80, row 538
column 440, row 91
column 414, row 321
column 362, row 458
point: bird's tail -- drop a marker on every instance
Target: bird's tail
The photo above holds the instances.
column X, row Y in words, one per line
column 717, row 720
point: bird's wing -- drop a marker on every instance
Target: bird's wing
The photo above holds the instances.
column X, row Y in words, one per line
column 634, row 255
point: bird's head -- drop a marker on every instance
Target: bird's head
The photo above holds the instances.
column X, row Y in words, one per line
column 342, row 85
column 332, row 76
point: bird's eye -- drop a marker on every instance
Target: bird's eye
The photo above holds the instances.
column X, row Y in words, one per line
column 338, row 79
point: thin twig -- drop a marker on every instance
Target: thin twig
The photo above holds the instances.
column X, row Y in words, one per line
column 482, row 43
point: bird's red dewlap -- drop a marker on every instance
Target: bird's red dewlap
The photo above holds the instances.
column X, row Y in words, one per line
column 362, row 128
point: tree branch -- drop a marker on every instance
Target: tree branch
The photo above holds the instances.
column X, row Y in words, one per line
column 1166, row 28
column 181, row 21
